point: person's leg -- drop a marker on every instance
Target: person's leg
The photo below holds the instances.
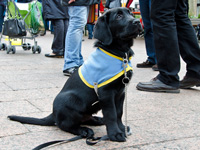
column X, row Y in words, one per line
column 59, row 35
column 166, row 40
column 1, row 16
column 90, row 30
column 148, row 31
column 188, row 45
column 167, row 48
column 77, row 21
column 51, row 28
column 66, row 24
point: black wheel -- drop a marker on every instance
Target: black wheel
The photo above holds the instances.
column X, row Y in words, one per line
column 13, row 49
column 34, row 49
column 28, row 46
column 25, row 46
column 8, row 49
column 1, row 46
column 4, row 46
column 38, row 49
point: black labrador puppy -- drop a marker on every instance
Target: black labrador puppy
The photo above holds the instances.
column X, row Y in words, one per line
column 87, row 91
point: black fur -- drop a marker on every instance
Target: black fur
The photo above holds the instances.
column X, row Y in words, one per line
column 76, row 103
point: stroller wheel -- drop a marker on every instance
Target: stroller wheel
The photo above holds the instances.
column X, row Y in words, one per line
column 38, row 49
column 28, row 46
column 34, row 49
column 3, row 46
column 13, row 49
column 25, row 46
column 8, row 49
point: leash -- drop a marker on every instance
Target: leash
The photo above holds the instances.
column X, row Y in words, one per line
column 58, row 141
column 95, row 140
column 89, row 141
column 125, row 81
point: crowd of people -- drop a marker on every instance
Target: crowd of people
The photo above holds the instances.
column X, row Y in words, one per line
column 168, row 34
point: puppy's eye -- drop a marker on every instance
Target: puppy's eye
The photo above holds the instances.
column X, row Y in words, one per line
column 119, row 15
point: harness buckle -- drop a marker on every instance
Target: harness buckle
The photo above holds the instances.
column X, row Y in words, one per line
column 96, row 88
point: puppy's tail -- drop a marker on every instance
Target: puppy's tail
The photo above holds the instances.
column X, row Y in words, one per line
column 46, row 121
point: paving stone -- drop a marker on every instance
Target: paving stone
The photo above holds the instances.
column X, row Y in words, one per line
column 192, row 143
column 16, row 108
column 22, row 85
column 9, row 128
column 4, row 87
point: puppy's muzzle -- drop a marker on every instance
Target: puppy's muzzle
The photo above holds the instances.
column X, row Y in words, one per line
column 138, row 25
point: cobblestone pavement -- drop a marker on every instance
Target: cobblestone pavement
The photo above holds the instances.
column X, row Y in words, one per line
column 29, row 82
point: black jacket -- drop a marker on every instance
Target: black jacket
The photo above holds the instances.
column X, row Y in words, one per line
column 3, row 2
column 24, row 1
column 52, row 9
column 80, row 2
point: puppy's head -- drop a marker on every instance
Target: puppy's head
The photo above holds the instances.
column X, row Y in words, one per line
column 117, row 23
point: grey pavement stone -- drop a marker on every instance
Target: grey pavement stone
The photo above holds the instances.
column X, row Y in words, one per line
column 29, row 83
column 22, row 85
column 28, row 94
column 4, row 87
column 18, row 107
column 9, row 128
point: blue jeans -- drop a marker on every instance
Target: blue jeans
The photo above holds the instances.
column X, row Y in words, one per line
column 90, row 28
column 145, row 6
column 77, row 21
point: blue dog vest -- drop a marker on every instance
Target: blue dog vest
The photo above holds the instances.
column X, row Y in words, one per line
column 102, row 68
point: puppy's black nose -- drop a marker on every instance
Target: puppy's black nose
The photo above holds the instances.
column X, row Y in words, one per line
column 136, row 21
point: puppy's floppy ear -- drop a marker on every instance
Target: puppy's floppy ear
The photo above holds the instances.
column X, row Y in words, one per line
column 102, row 31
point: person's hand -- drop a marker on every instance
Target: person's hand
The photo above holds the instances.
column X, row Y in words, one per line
column 71, row 1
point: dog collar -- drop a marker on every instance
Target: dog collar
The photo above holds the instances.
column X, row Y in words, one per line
column 102, row 68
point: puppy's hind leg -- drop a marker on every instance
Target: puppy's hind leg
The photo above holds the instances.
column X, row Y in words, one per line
column 93, row 120
column 70, row 122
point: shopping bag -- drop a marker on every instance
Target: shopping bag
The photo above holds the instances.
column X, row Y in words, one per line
column 37, row 23
column 14, row 27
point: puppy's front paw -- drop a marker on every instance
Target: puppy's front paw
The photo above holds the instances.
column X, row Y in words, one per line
column 119, row 137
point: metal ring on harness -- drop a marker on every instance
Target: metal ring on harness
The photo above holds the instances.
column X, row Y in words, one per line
column 125, row 80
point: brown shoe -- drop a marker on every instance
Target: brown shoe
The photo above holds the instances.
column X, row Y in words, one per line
column 146, row 64
column 189, row 82
column 155, row 67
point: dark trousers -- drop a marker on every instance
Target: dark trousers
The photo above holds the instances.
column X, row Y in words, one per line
column 174, row 35
column 2, row 11
column 60, row 29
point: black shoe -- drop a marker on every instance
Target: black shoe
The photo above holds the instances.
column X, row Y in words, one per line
column 146, row 64
column 155, row 67
column 189, row 82
column 70, row 71
column 43, row 33
column 155, row 85
column 53, row 55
